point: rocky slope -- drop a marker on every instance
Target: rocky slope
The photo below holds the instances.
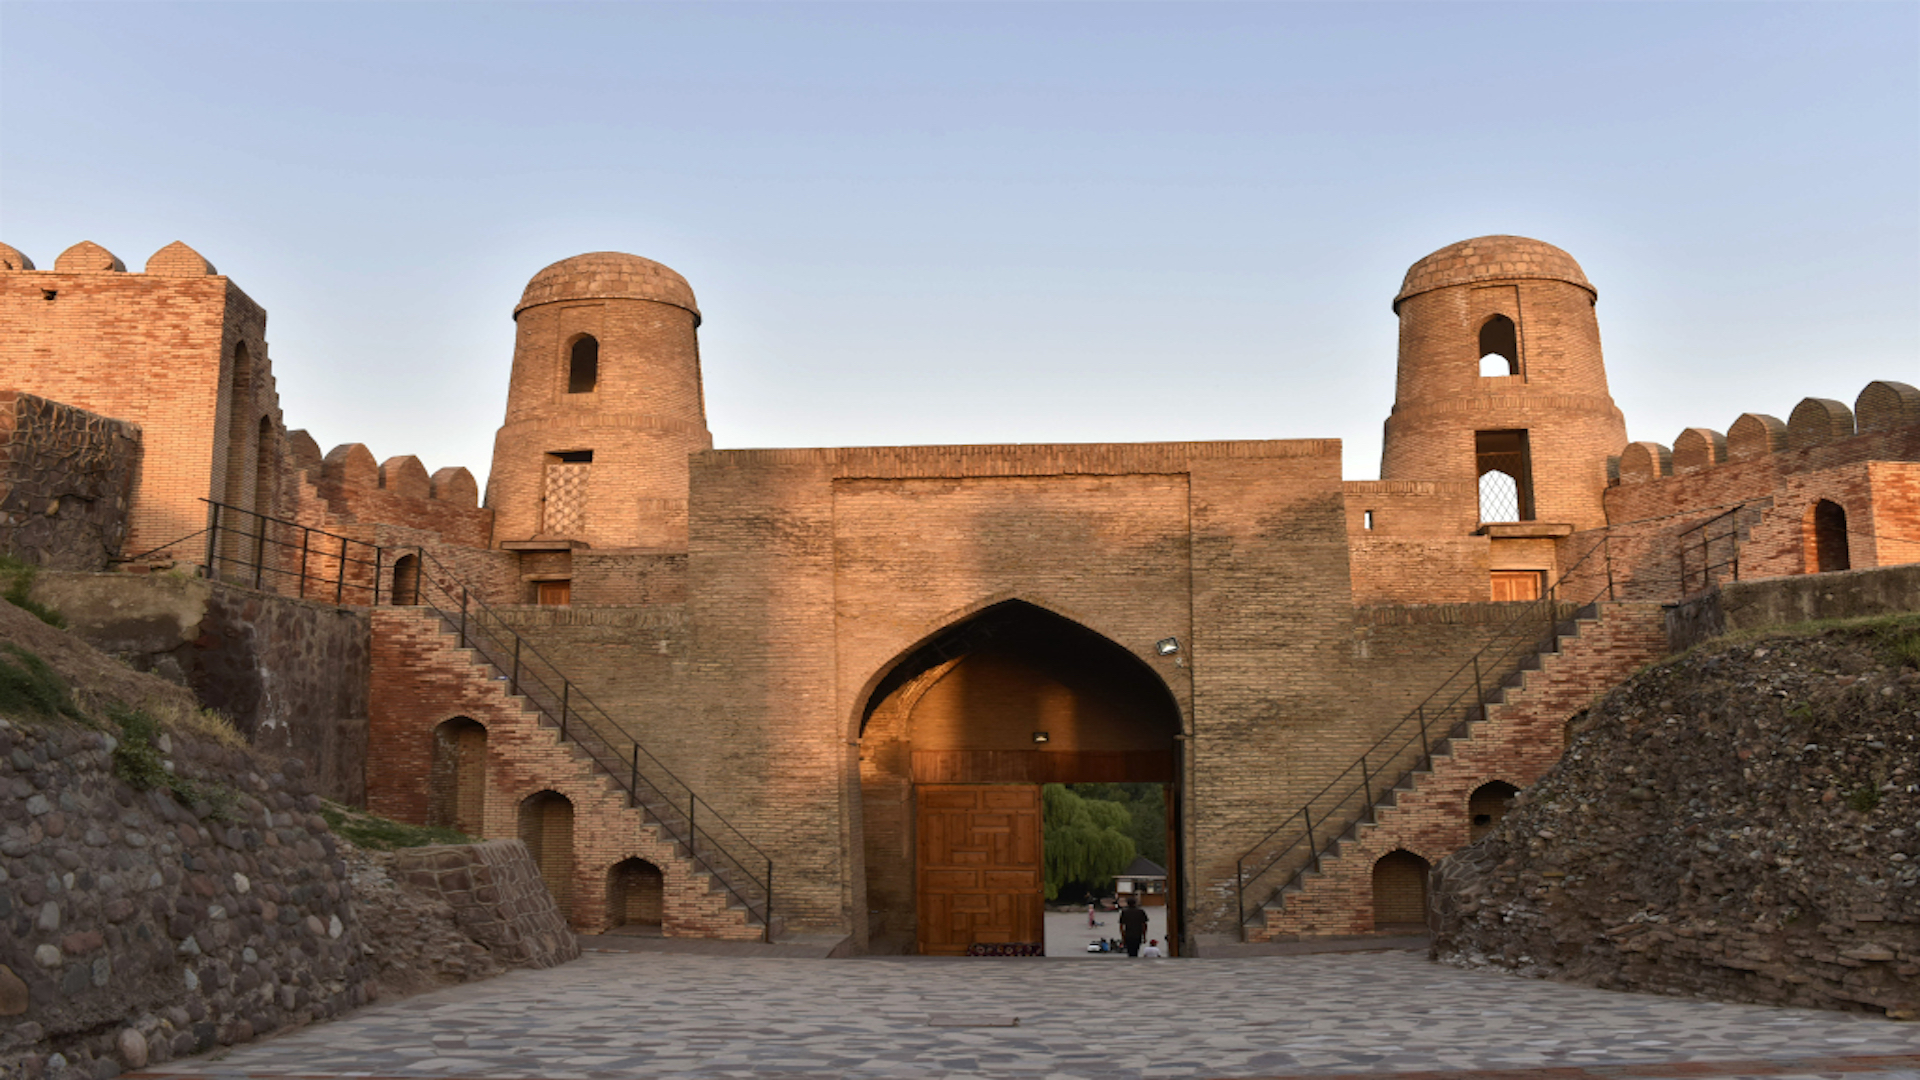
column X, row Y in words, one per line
column 1741, row 823
column 165, row 888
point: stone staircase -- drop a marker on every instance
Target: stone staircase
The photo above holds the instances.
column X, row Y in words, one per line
column 1515, row 737
column 422, row 676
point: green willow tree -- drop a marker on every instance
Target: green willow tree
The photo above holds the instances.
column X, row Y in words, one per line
column 1085, row 840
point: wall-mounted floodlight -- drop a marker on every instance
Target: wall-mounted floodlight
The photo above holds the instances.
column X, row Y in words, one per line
column 1167, row 646
column 1039, row 736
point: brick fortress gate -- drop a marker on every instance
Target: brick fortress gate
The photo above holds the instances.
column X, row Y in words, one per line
column 753, row 693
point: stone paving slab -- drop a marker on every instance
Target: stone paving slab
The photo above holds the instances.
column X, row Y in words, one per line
column 672, row 1016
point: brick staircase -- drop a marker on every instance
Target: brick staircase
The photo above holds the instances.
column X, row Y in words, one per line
column 422, row 676
column 1515, row 736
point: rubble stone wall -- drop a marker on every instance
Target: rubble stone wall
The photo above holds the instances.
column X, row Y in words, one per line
column 497, row 896
column 1740, row 823
column 292, row 675
column 139, row 929
column 66, row 480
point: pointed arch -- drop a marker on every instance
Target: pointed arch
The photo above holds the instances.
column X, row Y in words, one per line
column 953, row 623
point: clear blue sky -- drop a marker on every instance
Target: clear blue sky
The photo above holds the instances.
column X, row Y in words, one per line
column 991, row 222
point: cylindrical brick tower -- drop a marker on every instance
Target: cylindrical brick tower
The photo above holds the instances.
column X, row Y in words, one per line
column 1537, row 409
column 603, row 408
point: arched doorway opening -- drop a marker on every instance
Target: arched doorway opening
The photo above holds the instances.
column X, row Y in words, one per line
column 957, row 740
column 1486, row 806
column 1826, row 538
column 406, row 581
column 546, row 827
column 457, row 779
column 1400, row 891
column 636, row 895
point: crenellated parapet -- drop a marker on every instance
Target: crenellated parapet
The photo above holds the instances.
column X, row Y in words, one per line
column 1886, row 412
column 351, row 487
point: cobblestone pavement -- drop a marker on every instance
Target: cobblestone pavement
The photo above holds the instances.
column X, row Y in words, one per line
column 665, row 1015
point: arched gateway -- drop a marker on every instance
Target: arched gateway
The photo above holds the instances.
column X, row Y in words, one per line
column 955, row 743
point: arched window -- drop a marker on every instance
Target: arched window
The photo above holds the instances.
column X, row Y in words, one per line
column 1826, row 533
column 1399, row 891
column 1499, row 347
column 636, row 894
column 406, row 581
column 1487, row 805
column 546, row 827
column 457, row 779
column 583, row 365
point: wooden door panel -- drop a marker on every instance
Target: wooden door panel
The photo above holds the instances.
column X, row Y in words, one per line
column 979, row 865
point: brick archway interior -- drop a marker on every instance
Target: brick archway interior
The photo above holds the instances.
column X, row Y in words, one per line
column 1399, row 890
column 636, row 894
column 966, row 709
column 546, row 827
column 457, row 780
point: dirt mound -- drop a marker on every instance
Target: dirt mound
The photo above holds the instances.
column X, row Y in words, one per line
column 95, row 677
column 1741, row 823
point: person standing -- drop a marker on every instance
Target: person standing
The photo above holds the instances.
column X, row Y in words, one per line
column 1133, row 926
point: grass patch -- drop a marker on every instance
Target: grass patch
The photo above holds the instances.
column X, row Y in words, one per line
column 29, row 685
column 1864, row 799
column 16, row 582
column 137, row 761
column 371, row 831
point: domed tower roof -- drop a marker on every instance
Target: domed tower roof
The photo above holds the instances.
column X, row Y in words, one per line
column 605, row 275
column 1492, row 258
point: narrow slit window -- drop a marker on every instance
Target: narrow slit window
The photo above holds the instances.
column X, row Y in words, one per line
column 1366, row 519
column 583, row 365
column 1499, row 347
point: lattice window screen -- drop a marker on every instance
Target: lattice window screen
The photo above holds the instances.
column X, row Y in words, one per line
column 566, row 512
column 1499, row 497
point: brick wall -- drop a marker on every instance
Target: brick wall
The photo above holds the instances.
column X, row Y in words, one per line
column 421, row 679
column 66, row 480
column 178, row 350
column 1520, row 740
column 1868, row 472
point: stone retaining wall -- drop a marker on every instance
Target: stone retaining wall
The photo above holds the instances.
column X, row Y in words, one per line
column 1750, row 605
column 66, row 477
column 291, row 674
column 139, row 929
column 497, row 896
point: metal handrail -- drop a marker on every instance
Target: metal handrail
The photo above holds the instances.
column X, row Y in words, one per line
column 688, row 820
column 1516, row 635
column 260, row 552
column 1707, row 538
column 242, row 544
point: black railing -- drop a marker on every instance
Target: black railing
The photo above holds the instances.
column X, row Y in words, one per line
column 687, row 820
column 1294, row 846
column 277, row 555
column 1710, row 551
column 285, row 557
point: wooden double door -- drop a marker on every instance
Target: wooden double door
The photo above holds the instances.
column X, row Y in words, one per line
column 979, row 874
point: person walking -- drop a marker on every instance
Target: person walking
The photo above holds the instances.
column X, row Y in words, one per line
column 1133, row 926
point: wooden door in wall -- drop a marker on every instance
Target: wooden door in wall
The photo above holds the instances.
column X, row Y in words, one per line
column 1518, row 584
column 979, row 877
